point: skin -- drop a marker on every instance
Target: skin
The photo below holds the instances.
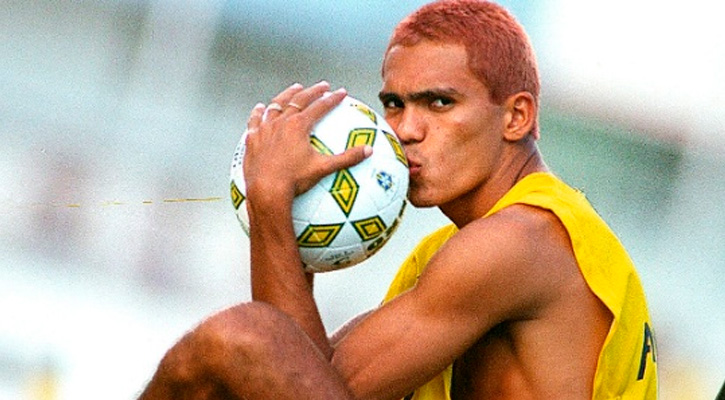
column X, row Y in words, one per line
column 503, row 299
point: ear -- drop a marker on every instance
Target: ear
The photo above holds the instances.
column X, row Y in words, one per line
column 521, row 111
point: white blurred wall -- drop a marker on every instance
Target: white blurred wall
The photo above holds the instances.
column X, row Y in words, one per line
column 109, row 109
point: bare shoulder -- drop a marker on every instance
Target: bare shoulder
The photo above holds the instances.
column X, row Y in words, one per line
column 523, row 231
column 544, row 324
column 515, row 265
column 521, row 251
column 512, row 266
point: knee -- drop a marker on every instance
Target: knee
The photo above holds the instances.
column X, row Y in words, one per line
column 226, row 341
column 245, row 331
column 247, row 322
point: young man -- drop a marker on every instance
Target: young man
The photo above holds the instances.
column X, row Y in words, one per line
column 527, row 294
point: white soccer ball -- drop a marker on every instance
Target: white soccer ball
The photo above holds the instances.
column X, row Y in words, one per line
column 349, row 215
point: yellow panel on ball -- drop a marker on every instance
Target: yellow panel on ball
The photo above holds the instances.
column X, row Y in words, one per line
column 369, row 228
column 344, row 190
column 361, row 137
column 318, row 235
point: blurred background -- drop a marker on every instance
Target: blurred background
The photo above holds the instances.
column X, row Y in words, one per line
column 118, row 119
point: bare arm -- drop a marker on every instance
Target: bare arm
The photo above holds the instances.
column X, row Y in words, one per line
column 280, row 164
column 347, row 327
column 481, row 277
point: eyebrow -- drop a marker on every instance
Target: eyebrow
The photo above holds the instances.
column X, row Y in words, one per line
column 421, row 95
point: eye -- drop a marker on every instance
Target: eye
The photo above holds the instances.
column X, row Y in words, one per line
column 441, row 103
column 391, row 102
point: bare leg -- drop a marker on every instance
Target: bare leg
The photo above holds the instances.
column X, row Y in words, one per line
column 250, row 351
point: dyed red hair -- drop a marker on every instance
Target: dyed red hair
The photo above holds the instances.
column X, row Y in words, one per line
column 498, row 48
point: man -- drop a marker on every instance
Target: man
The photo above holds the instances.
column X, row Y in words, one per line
column 527, row 294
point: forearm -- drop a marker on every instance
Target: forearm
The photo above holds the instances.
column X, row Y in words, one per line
column 279, row 164
column 348, row 326
column 277, row 276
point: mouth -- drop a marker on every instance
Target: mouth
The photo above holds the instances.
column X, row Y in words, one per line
column 414, row 168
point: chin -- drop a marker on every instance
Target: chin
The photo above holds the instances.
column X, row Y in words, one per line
column 417, row 204
column 419, row 199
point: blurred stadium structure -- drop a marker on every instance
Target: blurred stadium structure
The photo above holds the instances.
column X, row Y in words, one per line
column 110, row 107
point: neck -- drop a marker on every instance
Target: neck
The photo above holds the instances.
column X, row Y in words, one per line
column 533, row 153
column 525, row 159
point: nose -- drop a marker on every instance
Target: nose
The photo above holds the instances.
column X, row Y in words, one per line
column 408, row 126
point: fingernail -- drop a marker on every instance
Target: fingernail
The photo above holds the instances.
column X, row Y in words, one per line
column 295, row 85
column 367, row 151
column 341, row 91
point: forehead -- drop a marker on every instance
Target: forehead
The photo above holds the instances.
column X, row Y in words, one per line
column 428, row 65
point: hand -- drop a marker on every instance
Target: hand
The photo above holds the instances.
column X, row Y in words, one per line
column 279, row 162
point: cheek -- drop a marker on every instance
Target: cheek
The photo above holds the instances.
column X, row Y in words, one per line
column 470, row 155
column 391, row 120
column 460, row 141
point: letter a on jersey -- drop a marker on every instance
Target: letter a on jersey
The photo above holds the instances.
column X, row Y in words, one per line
column 648, row 346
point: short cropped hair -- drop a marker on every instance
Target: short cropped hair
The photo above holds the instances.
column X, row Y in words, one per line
column 499, row 51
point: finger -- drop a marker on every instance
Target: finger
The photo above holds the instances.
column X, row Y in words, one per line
column 255, row 116
column 279, row 102
column 302, row 99
column 273, row 109
column 315, row 103
column 324, row 103
column 347, row 159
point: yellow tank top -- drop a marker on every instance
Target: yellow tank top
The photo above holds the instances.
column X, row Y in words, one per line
column 627, row 362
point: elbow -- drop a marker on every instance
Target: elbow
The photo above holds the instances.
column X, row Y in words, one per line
column 361, row 384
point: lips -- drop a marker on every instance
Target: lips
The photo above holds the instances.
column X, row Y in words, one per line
column 414, row 167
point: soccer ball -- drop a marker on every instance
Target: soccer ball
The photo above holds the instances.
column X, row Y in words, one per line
column 350, row 214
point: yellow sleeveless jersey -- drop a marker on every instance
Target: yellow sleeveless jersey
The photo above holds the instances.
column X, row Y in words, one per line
column 627, row 362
